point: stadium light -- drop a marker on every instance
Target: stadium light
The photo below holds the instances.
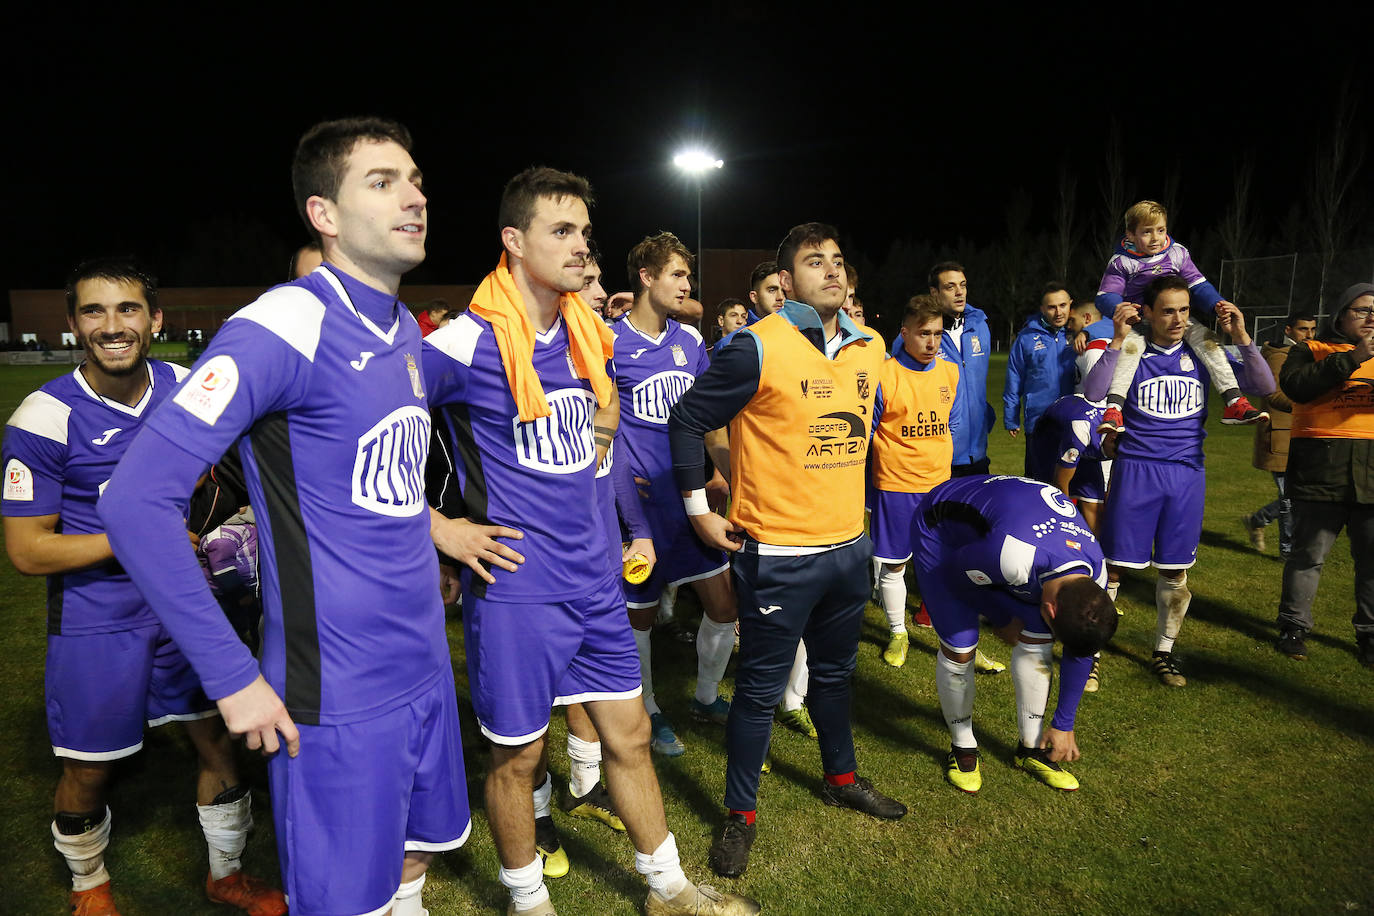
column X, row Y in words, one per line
column 696, row 163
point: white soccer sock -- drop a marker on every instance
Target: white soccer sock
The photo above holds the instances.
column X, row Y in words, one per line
column 646, row 670
column 407, row 899
column 1171, row 601
column 1112, row 589
column 584, row 765
column 526, row 884
column 662, row 869
column 954, row 684
column 892, row 589
column 1126, row 364
column 715, row 643
column 1031, row 675
column 85, row 853
column 794, row 694
column 542, row 795
column 226, row 829
column 1208, row 349
column 666, row 601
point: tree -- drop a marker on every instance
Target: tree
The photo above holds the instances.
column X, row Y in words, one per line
column 1116, row 190
column 1239, row 228
column 1066, row 229
column 1336, row 162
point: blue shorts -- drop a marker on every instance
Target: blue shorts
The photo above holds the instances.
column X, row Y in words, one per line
column 525, row 658
column 102, row 688
column 681, row 555
column 362, row 792
column 1089, row 481
column 890, row 525
column 1154, row 515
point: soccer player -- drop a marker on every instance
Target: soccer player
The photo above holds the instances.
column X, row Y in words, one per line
column 913, row 440
column 731, row 315
column 1068, row 454
column 797, row 391
column 1016, row 552
column 658, row 361
column 111, row 666
column 593, row 293
column 323, row 376
column 765, row 291
column 530, row 407
column 1154, row 512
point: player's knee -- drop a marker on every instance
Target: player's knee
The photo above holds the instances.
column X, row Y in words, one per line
column 642, row 618
column 954, row 656
column 894, row 569
column 87, row 775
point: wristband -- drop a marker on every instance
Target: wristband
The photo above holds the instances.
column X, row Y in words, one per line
column 695, row 503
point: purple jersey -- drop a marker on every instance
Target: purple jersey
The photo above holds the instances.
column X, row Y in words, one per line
column 323, row 375
column 1166, row 407
column 1064, row 435
column 61, row 446
column 229, row 553
column 1128, row 273
column 537, row 476
column 651, row 374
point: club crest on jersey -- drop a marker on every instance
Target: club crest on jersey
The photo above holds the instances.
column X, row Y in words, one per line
column 654, row 397
column 945, row 396
column 389, row 470
column 414, row 372
column 206, row 393
column 560, row 443
column 861, row 382
column 975, row 346
column 679, row 358
column 18, row 481
column 1185, row 362
column 1170, row 397
column 572, row 367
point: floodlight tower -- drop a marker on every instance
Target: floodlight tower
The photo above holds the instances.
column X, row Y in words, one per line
column 696, row 163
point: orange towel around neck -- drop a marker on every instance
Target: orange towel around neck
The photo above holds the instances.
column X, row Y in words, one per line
column 590, row 342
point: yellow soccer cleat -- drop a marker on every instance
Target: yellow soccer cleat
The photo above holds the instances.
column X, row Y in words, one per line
column 984, row 665
column 895, row 653
column 962, row 771
column 1038, row 764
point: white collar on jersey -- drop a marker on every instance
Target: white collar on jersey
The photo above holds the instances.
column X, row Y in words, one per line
column 546, row 336
column 388, row 336
column 134, row 411
column 653, row 340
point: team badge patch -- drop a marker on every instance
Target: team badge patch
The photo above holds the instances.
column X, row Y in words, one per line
column 206, row 393
column 978, row 577
column 572, row 367
column 1185, row 362
column 18, row 481
column 861, row 378
column 679, row 358
column 976, row 349
column 414, row 372
column 944, row 394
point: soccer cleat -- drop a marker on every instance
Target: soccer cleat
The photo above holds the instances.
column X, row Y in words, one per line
column 767, row 766
column 1364, row 649
column 799, row 720
column 1112, row 421
column 1292, row 644
column 544, row 908
column 1241, row 412
column 729, row 855
column 594, row 806
column 1094, row 678
column 1038, row 763
column 895, row 653
column 984, row 665
column 861, row 796
column 252, row 895
column 700, row 900
column 551, row 851
column 98, row 901
column 1164, row 667
column 922, row 617
column 663, row 739
column 1255, row 532
column 717, row 712
column 962, row 771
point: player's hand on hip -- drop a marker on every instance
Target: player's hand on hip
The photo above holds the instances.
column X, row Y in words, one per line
column 717, row 532
column 1061, row 745
column 472, row 544
column 257, row 713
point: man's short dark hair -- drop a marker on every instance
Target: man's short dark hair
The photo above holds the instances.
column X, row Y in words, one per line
column 653, row 253
column 761, row 272
column 933, row 278
column 118, row 269
column 1085, row 618
column 593, row 251
column 920, row 310
column 1163, row 284
column 322, row 156
column 522, row 193
column 1294, row 317
column 1054, row 286
column 800, row 236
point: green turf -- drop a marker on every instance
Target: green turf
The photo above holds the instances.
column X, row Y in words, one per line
column 1245, row 792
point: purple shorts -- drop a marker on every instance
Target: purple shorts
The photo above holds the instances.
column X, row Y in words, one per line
column 525, row 658
column 1154, row 515
column 681, row 555
column 102, row 688
column 955, row 603
column 362, row 792
column 1089, row 481
column 889, row 526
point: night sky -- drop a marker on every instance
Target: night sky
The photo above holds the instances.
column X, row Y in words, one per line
column 174, row 141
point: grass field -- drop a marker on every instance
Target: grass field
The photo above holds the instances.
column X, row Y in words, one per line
column 1248, row 791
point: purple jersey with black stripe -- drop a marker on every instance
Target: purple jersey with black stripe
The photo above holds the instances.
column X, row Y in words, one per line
column 323, row 376
column 1166, row 407
column 651, row 374
column 61, row 446
column 1065, row 434
column 537, row 476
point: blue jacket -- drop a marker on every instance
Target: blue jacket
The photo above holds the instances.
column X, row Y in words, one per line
column 976, row 416
column 1040, row 369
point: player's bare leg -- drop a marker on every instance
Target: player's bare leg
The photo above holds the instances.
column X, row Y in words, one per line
column 510, row 789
